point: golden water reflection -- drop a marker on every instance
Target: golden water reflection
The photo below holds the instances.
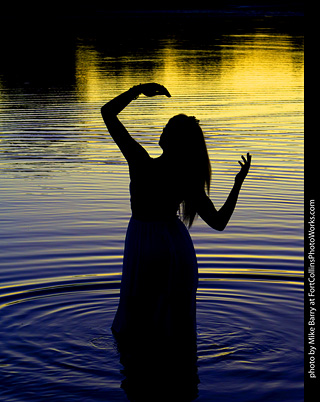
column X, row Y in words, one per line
column 259, row 67
column 244, row 89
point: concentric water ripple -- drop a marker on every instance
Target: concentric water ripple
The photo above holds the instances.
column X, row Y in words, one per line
column 246, row 328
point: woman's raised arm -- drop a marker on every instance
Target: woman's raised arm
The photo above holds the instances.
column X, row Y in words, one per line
column 219, row 219
column 128, row 146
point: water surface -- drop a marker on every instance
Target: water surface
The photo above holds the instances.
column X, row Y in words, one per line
column 65, row 203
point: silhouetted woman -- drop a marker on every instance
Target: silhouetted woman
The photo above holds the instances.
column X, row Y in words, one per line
column 160, row 274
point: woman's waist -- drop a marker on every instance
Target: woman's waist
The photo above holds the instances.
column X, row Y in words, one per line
column 145, row 216
column 154, row 211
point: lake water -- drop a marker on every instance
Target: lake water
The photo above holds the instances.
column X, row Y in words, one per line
column 65, row 200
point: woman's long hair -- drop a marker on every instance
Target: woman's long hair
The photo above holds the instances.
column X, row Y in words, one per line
column 183, row 138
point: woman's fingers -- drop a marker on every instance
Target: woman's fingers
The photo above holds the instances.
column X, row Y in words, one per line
column 161, row 90
column 246, row 161
column 153, row 89
column 245, row 165
column 165, row 91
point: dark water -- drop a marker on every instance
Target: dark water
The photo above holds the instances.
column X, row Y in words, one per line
column 65, row 202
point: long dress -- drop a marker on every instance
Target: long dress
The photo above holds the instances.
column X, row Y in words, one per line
column 160, row 273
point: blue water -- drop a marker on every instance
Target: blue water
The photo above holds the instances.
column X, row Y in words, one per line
column 65, row 200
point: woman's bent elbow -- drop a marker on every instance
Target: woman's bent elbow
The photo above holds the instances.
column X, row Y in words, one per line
column 104, row 111
column 219, row 227
column 219, row 224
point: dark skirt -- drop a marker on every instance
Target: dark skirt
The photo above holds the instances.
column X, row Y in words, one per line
column 159, row 282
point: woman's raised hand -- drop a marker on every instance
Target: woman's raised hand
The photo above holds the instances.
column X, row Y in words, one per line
column 153, row 89
column 245, row 165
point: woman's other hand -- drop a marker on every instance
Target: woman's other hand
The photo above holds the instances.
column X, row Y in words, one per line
column 245, row 166
column 153, row 89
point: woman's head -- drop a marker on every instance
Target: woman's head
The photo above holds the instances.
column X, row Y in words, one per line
column 182, row 138
column 181, row 134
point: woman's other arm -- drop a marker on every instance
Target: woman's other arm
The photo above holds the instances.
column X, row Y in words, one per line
column 128, row 146
column 219, row 219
